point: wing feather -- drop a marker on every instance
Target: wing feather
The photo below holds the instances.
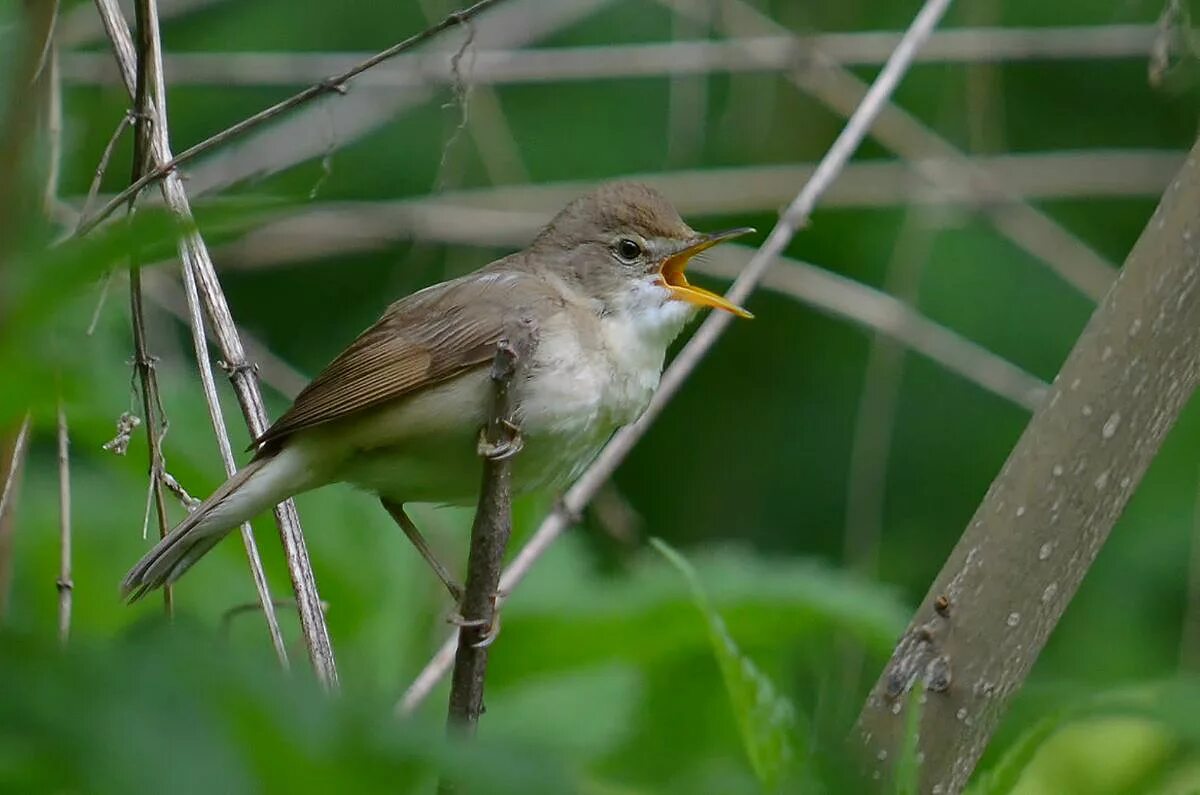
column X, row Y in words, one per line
column 421, row 340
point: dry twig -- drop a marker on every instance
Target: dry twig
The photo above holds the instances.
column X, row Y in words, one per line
column 316, row 131
column 148, row 61
column 194, row 253
column 1014, row 570
column 64, row 583
column 679, row 58
column 795, row 216
column 511, row 214
column 334, row 84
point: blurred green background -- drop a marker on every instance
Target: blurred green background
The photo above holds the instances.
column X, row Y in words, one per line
column 799, row 432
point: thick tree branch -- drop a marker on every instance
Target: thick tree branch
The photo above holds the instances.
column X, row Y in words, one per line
column 795, row 216
column 336, row 83
column 1041, row 524
column 198, row 266
column 499, row 442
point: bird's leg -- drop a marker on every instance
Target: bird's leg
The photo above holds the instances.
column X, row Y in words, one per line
column 414, row 535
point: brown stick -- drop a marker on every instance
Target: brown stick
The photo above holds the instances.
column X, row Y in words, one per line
column 499, row 442
column 1041, row 524
column 335, row 84
column 64, row 584
column 152, row 406
column 194, row 253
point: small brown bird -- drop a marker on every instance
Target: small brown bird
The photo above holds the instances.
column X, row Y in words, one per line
column 398, row 412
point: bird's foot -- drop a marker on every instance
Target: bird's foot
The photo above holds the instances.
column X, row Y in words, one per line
column 490, row 625
column 505, row 448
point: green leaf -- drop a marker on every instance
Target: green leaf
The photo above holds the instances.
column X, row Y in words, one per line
column 566, row 615
column 766, row 720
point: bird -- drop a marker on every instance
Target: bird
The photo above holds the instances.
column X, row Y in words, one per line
column 603, row 291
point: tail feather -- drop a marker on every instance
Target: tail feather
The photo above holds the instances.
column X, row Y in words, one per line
column 261, row 484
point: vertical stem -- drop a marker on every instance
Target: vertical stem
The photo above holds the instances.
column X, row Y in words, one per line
column 64, row 583
column 143, row 361
column 193, row 250
column 489, row 539
column 151, row 409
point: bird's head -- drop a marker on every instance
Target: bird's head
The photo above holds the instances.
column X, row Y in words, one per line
column 628, row 248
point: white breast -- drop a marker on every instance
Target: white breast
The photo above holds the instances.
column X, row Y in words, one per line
column 591, row 379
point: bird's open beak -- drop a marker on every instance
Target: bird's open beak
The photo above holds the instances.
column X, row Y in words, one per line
column 675, row 264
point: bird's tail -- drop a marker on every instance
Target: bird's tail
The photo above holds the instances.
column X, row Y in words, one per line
column 260, row 485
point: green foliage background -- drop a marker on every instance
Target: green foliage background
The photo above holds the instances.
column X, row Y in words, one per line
column 604, row 679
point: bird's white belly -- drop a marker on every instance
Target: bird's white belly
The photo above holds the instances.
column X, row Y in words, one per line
column 423, row 449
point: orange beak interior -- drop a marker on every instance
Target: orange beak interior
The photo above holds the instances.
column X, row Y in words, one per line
column 673, row 268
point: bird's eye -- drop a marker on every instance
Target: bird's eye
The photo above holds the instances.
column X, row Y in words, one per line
column 628, row 250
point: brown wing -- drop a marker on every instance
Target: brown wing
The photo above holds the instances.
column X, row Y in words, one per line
column 421, row 340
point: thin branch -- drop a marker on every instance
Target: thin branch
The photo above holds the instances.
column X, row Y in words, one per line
column 490, row 532
column 64, row 584
column 334, row 84
column 193, row 251
column 272, row 369
column 53, row 122
column 102, row 167
column 79, row 26
column 52, row 89
column 195, row 321
column 1034, row 536
column 246, row 608
column 711, row 329
column 511, row 214
column 319, row 130
column 8, row 509
column 680, row 58
column 93, row 190
column 904, row 134
column 148, row 61
column 873, row 309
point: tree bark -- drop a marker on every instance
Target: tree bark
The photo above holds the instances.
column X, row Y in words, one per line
column 1009, row 579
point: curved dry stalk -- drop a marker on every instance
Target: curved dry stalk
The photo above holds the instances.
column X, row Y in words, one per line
column 144, row 363
column 710, row 330
column 1012, row 574
column 194, row 252
column 195, row 321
